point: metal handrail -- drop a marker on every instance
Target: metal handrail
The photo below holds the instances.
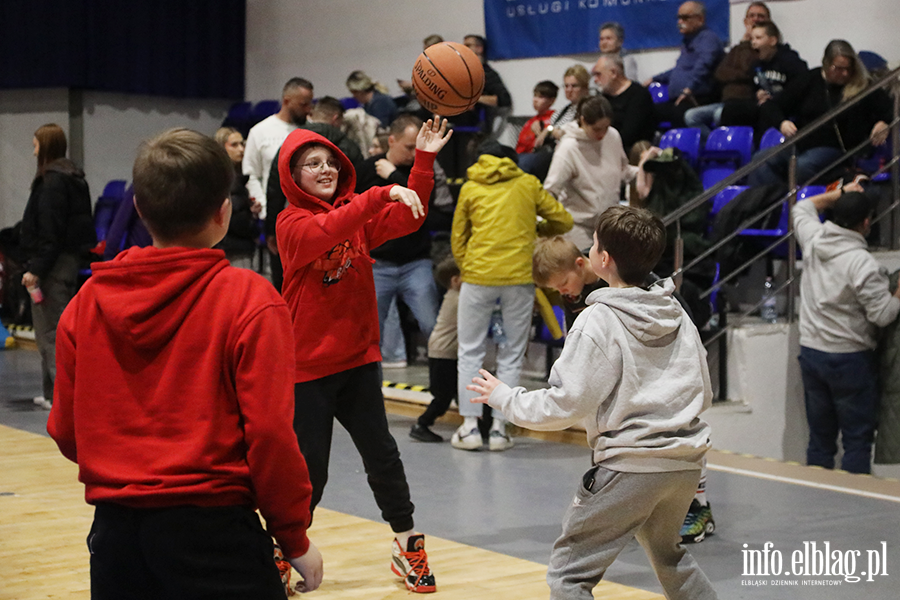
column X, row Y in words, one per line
column 789, row 143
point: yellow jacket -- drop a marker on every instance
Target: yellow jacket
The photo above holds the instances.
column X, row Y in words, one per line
column 495, row 223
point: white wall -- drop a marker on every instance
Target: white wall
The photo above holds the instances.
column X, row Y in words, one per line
column 325, row 40
column 21, row 113
column 114, row 125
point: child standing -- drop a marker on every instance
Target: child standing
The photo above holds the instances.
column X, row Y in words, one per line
column 443, row 345
column 324, row 238
column 494, row 228
column 633, row 370
column 176, row 405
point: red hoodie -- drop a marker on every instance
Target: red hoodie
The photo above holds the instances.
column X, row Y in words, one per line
column 173, row 387
column 324, row 248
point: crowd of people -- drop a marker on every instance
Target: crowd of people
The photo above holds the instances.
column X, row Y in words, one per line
column 368, row 246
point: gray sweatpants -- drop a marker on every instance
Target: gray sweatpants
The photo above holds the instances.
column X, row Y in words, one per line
column 610, row 508
column 58, row 288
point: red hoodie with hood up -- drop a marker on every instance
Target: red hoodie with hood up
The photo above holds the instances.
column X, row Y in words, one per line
column 324, row 248
column 174, row 387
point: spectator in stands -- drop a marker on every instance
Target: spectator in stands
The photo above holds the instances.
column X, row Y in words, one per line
column 542, row 101
column 495, row 97
column 494, row 229
column 372, row 96
column 589, row 167
column 612, row 36
column 265, row 139
column 691, row 82
column 776, row 65
column 379, row 144
column 576, row 82
column 403, row 267
column 734, row 74
column 325, row 119
column 634, row 116
column 809, row 96
column 844, row 299
column 239, row 242
column 57, row 232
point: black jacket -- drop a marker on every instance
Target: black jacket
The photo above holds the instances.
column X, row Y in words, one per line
column 242, row 229
column 57, row 217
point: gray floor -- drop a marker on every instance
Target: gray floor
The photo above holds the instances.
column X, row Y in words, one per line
column 513, row 502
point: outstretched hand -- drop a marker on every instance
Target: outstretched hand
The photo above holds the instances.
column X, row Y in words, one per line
column 433, row 135
column 484, row 386
column 410, row 198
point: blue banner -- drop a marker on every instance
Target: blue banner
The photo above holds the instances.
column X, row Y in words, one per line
column 533, row 28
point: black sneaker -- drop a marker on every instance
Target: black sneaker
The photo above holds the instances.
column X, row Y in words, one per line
column 424, row 434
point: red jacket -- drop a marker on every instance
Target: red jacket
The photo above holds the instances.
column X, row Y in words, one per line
column 173, row 387
column 527, row 136
column 324, row 248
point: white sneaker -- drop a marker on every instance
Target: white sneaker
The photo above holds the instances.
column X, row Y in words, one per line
column 43, row 402
column 466, row 439
column 397, row 364
column 499, row 439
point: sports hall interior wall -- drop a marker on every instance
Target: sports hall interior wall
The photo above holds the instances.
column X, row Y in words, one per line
column 324, row 41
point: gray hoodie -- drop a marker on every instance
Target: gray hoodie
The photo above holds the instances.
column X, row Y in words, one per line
column 633, row 371
column 844, row 294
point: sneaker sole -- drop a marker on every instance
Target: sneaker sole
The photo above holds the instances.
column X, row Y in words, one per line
column 424, row 589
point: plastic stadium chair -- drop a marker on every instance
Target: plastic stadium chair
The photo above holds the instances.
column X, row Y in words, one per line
column 659, row 92
column 264, row 109
column 686, row 139
column 107, row 205
column 349, row 102
column 239, row 117
column 734, row 144
column 723, row 198
column 710, row 175
column 782, row 227
column 772, row 137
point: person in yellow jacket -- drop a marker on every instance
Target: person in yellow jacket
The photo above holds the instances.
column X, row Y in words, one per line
column 494, row 228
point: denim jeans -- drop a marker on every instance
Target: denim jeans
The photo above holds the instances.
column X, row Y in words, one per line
column 476, row 303
column 393, row 345
column 414, row 283
column 809, row 162
column 841, row 395
column 705, row 117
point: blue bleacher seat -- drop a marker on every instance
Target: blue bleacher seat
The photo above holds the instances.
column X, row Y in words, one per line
column 107, row 205
column 659, row 92
column 712, row 174
column 723, row 198
column 349, row 102
column 239, row 117
column 782, row 227
column 772, row 137
column 686, row 139
column 734, row 144
column 263, row 109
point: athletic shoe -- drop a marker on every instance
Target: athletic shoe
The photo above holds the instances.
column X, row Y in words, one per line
column 698, row 524
column 412, row 565
column 466, row 439
column 284, row 570
column 499, row 439
column 43, row 402
column 424, row 434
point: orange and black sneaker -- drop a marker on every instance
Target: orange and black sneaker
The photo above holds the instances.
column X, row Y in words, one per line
column 284, row 570
column 412, row 565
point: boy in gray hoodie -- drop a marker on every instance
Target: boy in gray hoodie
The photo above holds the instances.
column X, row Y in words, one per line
column 844, row 299
column 633, row 371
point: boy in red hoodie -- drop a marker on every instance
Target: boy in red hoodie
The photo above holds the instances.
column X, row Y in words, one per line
column 174, row 396
column 324, row 238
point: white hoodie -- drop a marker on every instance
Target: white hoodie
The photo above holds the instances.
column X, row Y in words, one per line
column 844, row 294
column 633, row 370
column 586, row 175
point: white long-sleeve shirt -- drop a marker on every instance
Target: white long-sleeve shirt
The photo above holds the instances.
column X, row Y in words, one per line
column 263, row 142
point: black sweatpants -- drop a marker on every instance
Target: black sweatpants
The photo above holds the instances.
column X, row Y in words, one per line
column 354, row 398
column 185, row 552
column 442, row 377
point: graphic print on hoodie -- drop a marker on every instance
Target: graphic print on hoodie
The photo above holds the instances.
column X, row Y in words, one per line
column 324, row 247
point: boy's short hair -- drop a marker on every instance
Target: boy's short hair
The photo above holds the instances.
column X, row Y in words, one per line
column 851, row 209
column 403, row 122
column 327, row 107
column 552, row 256
column 181, row 178
column 446, row 270
column 635, row 238
column 546, row 89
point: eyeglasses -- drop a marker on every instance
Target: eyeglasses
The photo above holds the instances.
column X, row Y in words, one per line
column 841, row 69
column 321, row 166
column 686, row 17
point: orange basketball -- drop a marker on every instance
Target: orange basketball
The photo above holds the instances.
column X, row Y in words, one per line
column 448, row 79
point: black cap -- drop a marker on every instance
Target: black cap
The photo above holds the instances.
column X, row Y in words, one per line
column 851, row 209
